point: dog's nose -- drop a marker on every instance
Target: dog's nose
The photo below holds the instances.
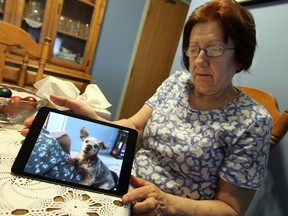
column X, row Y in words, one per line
column 88, row 148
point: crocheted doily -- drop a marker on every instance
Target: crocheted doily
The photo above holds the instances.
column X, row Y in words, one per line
column 23, row 196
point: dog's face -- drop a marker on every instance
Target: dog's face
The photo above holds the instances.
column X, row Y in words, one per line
column 91, row 146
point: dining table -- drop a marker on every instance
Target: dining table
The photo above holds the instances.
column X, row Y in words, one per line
column 25, row 196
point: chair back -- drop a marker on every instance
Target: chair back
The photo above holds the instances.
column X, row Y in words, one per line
column 280, row 119
column 15, row 40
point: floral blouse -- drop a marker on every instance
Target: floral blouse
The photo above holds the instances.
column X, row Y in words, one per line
column 185, row 151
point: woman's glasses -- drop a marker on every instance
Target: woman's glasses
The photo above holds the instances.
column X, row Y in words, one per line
column 211, row 51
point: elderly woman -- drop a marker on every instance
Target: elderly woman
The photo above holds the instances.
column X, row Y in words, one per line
column 204, row 143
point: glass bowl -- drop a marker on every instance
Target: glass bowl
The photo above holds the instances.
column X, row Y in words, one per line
column 22, row 104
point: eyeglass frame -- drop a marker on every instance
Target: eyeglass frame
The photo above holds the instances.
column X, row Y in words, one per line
column 206, row 51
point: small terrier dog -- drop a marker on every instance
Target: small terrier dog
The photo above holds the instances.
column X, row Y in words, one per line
column 95, row 172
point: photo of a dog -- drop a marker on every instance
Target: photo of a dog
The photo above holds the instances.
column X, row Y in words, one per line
column 95, row 172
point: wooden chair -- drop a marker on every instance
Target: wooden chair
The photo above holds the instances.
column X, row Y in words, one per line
column 280, row 119
column 14, row 39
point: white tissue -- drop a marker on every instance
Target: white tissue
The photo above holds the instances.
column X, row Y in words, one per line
column 54, row 86
column 94, row 97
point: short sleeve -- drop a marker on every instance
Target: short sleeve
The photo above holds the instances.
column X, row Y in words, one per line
column 246, row 160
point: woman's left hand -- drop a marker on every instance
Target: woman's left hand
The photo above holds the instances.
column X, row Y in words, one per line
column 146, row 198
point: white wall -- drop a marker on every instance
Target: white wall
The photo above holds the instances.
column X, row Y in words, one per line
column 269, row 72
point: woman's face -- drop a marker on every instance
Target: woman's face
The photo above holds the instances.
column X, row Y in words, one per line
column 211, row 75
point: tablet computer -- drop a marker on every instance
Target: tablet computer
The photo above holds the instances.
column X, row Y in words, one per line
column 65, row 148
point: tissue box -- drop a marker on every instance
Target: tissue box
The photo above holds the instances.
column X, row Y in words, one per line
column 92, row 95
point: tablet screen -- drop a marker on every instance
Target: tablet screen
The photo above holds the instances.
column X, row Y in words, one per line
column 65, row 148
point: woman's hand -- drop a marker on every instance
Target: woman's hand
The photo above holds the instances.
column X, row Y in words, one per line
column 74, row 106
column 146, row 198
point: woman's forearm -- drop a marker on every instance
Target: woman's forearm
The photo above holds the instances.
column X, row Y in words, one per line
column 185, row 206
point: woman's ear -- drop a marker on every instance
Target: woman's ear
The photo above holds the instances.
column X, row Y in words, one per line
column 238, row 68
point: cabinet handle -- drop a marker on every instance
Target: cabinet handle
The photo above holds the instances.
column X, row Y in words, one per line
column 59, row 8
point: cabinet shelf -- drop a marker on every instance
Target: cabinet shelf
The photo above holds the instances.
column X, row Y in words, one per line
column 87, row 2
column 72, row 35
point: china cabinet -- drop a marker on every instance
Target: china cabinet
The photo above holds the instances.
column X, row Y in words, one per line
column 73, row 26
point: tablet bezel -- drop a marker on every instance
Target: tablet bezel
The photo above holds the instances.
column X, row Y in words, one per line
column 18, row 167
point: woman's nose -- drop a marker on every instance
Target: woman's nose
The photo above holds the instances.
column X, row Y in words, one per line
column 202, row 59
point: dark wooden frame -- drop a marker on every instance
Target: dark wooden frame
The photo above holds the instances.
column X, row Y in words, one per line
column 253, row 2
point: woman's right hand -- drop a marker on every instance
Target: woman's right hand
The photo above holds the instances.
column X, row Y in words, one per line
column 74, row 106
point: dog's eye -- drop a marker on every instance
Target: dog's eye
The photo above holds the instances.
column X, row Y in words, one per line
column 86, row 141
column 95, row 146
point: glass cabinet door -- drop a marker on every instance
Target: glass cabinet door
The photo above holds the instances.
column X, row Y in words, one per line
column 73, row 31
column 72, row 25
column 32, row 19
column 27, row 14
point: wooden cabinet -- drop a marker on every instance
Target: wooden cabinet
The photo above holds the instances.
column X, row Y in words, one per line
column 73, row 26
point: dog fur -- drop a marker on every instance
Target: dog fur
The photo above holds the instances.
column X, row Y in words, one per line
column 95, row 172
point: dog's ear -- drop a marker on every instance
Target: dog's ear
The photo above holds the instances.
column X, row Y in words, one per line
column 83, row 133
column 103, row 146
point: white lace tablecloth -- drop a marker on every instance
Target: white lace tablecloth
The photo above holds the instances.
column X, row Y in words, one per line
column 23, row 196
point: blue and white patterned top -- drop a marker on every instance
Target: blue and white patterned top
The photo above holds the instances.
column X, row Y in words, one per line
column 185, row 151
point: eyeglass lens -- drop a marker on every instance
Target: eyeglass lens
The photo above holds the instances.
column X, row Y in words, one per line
column 211, row 51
